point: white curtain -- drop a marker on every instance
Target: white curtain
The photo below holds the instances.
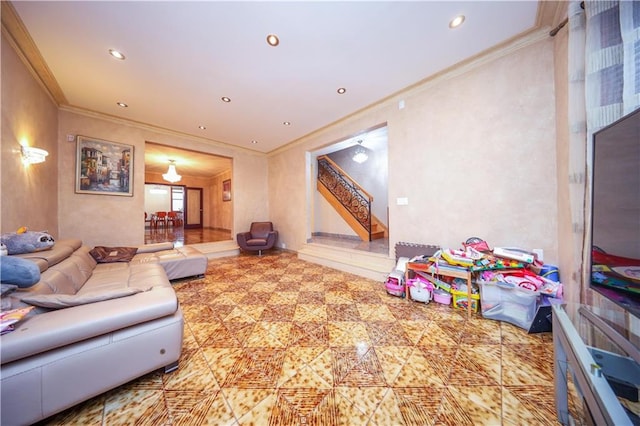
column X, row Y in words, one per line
column 577, row 142
column 612, row 61
column 604, row 85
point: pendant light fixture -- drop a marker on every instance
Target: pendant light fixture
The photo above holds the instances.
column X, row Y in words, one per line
column 171, row 175
column 360, row 155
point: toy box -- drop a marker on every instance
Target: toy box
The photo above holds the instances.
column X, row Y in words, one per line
column 460, row 300
column 512, row 304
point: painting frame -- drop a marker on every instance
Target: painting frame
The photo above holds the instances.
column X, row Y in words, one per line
column 226, row 190
column 103, row 167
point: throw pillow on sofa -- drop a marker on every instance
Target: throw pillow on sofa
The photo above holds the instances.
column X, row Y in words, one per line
column 113, row 254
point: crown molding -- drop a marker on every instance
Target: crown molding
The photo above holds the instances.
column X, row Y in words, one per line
column 157, row 129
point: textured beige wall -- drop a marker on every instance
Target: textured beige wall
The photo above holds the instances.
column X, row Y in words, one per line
column 474, row 152
column 221, row 211
column 29, row 193
column 114, row 220
column 327, row 220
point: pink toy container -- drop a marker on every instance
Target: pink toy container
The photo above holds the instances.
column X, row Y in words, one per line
column 441, row 296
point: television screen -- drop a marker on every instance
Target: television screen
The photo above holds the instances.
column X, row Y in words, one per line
column 615, row 255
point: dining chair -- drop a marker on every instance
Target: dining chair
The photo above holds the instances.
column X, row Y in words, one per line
column 161, row 219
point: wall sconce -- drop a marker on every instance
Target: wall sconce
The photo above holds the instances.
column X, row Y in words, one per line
column 31, row 155
column 171, row 175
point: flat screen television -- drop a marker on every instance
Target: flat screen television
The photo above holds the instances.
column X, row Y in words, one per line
column 615, row 226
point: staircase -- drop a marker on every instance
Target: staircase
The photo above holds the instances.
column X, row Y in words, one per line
column 350, row 200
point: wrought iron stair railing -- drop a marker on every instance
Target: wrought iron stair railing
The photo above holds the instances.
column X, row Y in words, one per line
column 346, row 191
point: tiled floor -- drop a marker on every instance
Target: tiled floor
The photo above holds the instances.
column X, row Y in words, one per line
column 274, row 340
column 181, row 236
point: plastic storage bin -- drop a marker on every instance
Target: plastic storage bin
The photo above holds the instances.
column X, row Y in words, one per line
column 505, row 303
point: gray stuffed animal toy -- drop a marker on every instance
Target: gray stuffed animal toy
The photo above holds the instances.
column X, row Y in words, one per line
column 26, row 241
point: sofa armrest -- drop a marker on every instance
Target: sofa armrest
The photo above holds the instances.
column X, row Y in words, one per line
column 54, row 329
column 272, row 237
column 243, row 236
column 152, row 248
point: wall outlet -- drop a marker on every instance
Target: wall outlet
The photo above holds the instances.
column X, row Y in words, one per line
column 402, row 201
column 283, row 245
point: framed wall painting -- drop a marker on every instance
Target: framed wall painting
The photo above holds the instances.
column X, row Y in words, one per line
column 226, row 190
column 103, row 167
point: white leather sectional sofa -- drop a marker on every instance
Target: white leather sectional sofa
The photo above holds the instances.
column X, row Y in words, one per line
column 118, row 321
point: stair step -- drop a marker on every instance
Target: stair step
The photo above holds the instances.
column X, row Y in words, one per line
column 377, row 235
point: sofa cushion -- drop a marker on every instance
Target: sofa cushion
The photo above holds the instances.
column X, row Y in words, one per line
column 74, row 272
column 179, row 262
column 57, row 301
column 47, row 258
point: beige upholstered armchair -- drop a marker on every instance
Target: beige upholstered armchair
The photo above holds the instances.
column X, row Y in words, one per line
column 261, row 236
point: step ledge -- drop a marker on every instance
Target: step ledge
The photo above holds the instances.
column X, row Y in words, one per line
column 218, row 249
column 375, row 266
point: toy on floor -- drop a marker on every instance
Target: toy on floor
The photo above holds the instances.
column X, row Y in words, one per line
column 395, row 280
column 25, row 241
column 420, row 289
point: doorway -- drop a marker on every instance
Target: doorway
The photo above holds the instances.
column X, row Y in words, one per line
column 362, row 157
column 201, row 175
column 193, row 214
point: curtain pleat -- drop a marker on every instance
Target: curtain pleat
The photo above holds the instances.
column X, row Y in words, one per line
column 604, row 45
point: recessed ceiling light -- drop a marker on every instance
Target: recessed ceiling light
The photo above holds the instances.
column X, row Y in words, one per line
column 287, row 123
column 225, row 99
column 342, row 90
column 457, row 21
column 202, row 127
column 273, row 40
column 116, row 54
column 122, row 105
column 254, row 141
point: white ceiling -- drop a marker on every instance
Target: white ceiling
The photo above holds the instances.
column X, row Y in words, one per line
column 183, row 57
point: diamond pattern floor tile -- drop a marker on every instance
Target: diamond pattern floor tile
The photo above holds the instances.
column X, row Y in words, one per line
column 273, row 340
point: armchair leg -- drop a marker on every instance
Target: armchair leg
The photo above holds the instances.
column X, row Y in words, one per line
column 259, row 252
